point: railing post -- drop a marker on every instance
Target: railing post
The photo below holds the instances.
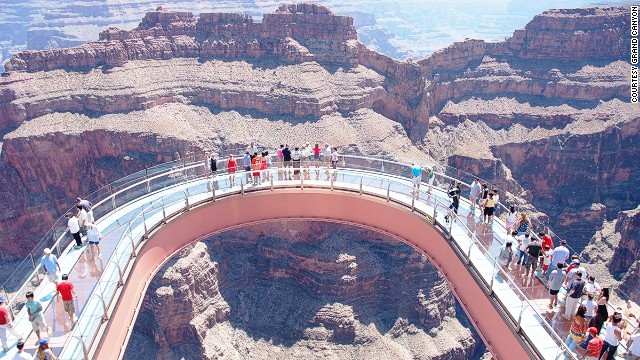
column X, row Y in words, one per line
column 35, row 269
column 271, row 182
column 58, row 248
column 518, row 327
column 332, row 183
column 84, row 349
column 148, row 186
column 121, row 281
column 413, row 203
column 435, row 208
column 113, row 201
column 105, row 317
column 186, row 199
column 133, row 246
column 241, row 187
column 361, row 185
column 388, row 191
column 469, row 254
column 164, row 213
column 213, row 194
column 301, row 181
column 144, row 223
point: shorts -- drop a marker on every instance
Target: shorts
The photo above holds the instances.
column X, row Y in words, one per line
column 473, row 198
column 53, row 277
column 334, row 164
column 416, row 181
column 545, row 267
column 90, row 218
column 554, row 292
column 94, row 242
column 531, row 262
column 247, row 168
column 488, row 211
column 316, row 157
column 509, row 224
column 39, row 323
column 68, row 306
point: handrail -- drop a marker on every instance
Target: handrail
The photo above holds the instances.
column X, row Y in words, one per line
column 475, row 242
column 194, row 164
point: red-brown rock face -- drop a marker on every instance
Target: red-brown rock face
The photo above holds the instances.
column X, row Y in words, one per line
column 297, row 289
column 625, row 263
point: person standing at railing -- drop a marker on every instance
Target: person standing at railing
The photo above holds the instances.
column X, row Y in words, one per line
column 82, row 220
column 252, row 148
column 521, row 255
column 523, row 225
column 334, row 159
column 264, row 165
column 94, row 236
column 286, row 155
column 594, row 344
column 431, row 176
column 44, row 352
column 246, row 164
column 280, row 157
column 505, row 255
column 474, row 193
column 34, row 310
column 74, row 229
column 232, row 166
column 213, row 164
column 560, row 254
column 316, row 158
column 484, row 195
column 6, row 325
column 416, row 177
column 306, row 158
column 50, row 265
column 256, row 163
column 88, row 207
column 65, row 290
column 556, row 278
column 533, row 251
column 574, row 293
column 454, row 195
column 578, row 329
column 612, row 337
column 489, row 207
column 296, row 157
column 634, row 348
column 496, row 198
column 326, row 156
column 511, row 219
column 571, row 274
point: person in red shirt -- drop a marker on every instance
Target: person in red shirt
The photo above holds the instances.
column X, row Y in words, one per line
column 546, row 240
column 595, row 345
column 231, row 168
column 65, row 289
column 5, row 325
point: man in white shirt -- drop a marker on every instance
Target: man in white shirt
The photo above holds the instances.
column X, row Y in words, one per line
column 252, row 149
column 326, row 154
column 82, row 219
column 560, row 255
column 21, row 354
column 475, row 191
column 521, row 255
column 74, row 229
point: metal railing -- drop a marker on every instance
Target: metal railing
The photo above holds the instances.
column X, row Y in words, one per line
column 363, row 179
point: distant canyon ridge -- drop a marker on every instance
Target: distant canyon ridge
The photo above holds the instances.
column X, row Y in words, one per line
column 544, row 115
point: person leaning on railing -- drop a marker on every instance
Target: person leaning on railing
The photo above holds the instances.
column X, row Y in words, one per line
column 6, row 325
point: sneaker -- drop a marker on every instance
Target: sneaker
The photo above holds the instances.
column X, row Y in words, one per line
column 5, row 350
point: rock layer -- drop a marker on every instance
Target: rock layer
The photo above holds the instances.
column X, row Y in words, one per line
column 314, row 290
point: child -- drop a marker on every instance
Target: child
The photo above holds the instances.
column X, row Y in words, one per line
column 546, row 258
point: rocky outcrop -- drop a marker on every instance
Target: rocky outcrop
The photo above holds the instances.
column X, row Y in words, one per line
column 625, row 263
column 314, row 290
column 294, row 33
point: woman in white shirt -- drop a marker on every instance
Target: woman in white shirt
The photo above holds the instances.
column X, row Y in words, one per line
column 511, row 219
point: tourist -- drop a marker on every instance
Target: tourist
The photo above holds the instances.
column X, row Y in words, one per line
column 601, row 316
column 50, row 265
column 246, row 164
column 574, row 293
column 306, row 158
column 489, row 207
column 496, row 199
column 612, row 337
column 6, row 325
column 252, row 149
column 505, row 255
column 416, row 177
column 556, row 278
column 511, row 219
column 256, row 164
column 454, row 195
column 474, row 193
column 316, row 157
column 594, row 344
column 546, row 240
column 264, row 165
column 334, row 158
column 326, row 154
column 88, row 207
column 34, row 310
column 591, row 306
column 523, row 225
column 546, row 259
column 232, row 166
column 521, row 255
column 296, row 157
column 533, row 252
column 560, row 254
column 571, row 274
column 21, row 354
column 74, row 229
column 431, row 176
column 94, row 236
column 286, row 155
column 592, row 287
column 577, row 330
column 484, row 195
column 213, row 164
column 65, row 290
column 82, row 219
column 280, row 157
column 44, row 352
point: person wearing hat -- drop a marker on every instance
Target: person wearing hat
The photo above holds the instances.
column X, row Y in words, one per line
column 21, row 354
column 5, row 325
column 44, row 352
column 574, row 293
column 575, row 268
column 594, row 346
column 87, row 206
column 50, row 265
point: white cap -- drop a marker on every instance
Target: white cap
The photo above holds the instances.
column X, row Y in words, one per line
column 47, row 251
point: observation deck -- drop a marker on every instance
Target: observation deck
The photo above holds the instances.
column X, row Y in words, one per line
column 147, row 217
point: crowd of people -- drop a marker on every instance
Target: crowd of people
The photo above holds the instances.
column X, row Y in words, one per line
column 79, row 224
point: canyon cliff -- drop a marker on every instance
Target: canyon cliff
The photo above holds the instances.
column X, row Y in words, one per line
column 544, row 115
column 300, row 289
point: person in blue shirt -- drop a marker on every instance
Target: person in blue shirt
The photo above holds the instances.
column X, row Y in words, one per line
column 34, row 309
column 50, row 265
column 246, row 163
column 416, row 176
